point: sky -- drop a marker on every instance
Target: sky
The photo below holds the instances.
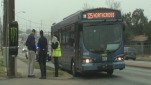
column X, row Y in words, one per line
column 42, row 13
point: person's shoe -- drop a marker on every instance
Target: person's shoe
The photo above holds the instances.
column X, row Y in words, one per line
column 31, row 76
column 42, row 77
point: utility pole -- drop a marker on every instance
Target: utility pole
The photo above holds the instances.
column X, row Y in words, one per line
column 1, row 34
column 5, row 23
column 9, row 16
column 26, row 25
column 30, row 24
column 41, row 25
column 5, row 47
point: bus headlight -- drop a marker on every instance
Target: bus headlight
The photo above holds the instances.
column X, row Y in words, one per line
column 86, row 60
column 120, row 58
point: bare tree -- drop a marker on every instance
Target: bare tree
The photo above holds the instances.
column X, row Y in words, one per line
column 113, row 4
column 86, row 6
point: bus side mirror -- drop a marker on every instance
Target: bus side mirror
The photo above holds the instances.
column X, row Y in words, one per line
column 13, row 38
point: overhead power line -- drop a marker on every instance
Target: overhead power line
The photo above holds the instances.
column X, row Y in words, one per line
column 38, row 23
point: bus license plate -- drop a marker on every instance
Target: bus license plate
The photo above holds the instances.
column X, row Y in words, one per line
column 104, row 58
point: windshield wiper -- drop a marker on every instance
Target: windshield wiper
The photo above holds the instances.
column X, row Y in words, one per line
column 110, row 51
column 97, row 51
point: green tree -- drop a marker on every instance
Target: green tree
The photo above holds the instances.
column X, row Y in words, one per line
column 128, row 33
column 135, row 24
column 138, row 21
column 128, row 19
column 147, row 31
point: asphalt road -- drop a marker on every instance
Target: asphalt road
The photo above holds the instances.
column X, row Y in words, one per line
column 128, row 76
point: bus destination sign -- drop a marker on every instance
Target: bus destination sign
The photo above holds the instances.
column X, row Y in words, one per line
column 99, row 15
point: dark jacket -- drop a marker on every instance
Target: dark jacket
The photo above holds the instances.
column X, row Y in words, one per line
column 30, row 43
column 42, row 44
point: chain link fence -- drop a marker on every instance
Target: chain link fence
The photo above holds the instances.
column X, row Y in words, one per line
column 141, row 49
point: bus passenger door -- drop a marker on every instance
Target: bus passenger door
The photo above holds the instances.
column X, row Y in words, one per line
column 78, row 48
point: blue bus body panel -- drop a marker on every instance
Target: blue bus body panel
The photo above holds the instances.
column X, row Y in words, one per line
column 98, row 65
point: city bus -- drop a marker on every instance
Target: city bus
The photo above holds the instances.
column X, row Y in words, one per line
column 91, row 41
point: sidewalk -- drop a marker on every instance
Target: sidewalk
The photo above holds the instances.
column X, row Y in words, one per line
column 22, row 68
column 141, row 64
column 50, row 64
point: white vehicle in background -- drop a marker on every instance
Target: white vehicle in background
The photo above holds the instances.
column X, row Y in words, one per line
column 24, row 50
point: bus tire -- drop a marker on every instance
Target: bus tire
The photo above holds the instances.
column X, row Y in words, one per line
column 110, row 72
column 73, row 70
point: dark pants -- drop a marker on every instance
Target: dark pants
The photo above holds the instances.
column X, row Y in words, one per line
column 56, row 63
column 42, row 63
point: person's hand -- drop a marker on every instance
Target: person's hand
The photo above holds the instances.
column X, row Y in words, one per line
column 26, row 55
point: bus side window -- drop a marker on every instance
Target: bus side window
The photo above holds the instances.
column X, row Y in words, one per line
column 80, row 27
column 71, row 42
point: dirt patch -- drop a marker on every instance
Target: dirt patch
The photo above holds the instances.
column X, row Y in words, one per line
column 2, row 68
column 50, row 72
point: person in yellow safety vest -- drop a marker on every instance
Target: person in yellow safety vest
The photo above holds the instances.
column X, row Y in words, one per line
column 56, row 53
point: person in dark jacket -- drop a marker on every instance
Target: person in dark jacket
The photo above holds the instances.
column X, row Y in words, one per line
column 30, row 43
column 42, row 52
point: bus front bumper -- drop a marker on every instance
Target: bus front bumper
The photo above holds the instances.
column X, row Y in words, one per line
column 119, row 65
column 98, row 67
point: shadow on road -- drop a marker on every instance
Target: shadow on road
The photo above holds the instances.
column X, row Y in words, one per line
column 97, row 76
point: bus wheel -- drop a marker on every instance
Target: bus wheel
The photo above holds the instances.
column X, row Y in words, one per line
column 110, row 72
column 73, row 70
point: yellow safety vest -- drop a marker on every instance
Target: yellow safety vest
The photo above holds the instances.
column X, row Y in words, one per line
column 56, row 52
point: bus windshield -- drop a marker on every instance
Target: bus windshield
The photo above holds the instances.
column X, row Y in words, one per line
column 101, row 38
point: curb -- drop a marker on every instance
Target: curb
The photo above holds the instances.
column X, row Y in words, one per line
column 3, row 78
column 61, row 78
column 138, row 66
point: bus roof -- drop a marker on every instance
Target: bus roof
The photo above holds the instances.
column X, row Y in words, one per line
column 77, row 17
